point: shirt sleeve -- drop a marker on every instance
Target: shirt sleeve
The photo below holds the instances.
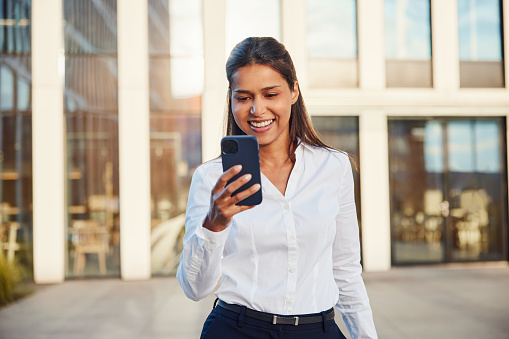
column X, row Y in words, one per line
column 200, row 262
column 353, row 300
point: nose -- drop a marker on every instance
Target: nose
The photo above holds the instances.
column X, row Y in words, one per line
column 257, row 109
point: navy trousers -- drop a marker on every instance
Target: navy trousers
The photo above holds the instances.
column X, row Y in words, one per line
column 225, row 324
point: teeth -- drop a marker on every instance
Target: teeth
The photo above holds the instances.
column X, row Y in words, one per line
column 261, row 124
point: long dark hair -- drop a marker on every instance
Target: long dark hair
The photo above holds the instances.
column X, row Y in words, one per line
column 268, row 51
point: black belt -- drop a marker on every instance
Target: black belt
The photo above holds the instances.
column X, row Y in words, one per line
column 278, row 319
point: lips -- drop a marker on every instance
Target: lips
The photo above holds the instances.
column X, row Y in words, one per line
column 260, row 124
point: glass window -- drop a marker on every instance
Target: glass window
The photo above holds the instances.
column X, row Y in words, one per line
column 448, row 188
column 408, row 43
column 7, row 90
column 480, row 43
column 332, row 43
column 24, row 99
column 332, row 29
column 175, row 121
column 407, row 30
column 91, row 114
column 479, row 30
column 186, row 48
column 246, row 18
column 16, row 133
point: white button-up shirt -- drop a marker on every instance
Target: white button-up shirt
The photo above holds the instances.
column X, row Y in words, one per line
column 296, row 253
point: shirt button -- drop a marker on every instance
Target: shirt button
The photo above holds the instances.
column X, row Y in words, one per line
column 288, row 302
column 287, row 207
column 292, row 270
column 292, row 237
column 212, row 241
column 195, row 260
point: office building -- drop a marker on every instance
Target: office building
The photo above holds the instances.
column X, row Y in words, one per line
column 107, row 106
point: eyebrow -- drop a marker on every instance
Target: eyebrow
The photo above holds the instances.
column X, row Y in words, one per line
column 263, row 89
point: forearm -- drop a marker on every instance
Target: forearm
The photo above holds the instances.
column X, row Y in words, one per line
column 200, row 263
column 353, row 304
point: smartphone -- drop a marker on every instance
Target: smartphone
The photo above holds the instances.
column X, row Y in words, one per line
column 243, row 150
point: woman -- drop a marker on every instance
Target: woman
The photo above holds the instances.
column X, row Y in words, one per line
column 285, row 263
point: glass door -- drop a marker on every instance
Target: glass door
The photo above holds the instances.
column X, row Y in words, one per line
column 448, row 190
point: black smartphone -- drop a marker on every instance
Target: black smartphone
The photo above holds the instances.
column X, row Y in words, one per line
column 243, row 150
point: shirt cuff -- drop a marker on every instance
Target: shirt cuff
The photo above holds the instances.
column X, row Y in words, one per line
column 213, row 240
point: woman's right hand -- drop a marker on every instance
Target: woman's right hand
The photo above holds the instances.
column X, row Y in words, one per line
column 222, row 205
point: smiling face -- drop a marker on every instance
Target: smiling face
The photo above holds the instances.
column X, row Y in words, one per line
column 261, row 102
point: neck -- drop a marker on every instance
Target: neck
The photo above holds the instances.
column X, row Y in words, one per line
column 274, row 157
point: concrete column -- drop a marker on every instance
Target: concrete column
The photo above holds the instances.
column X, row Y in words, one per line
column 134, row 139
column 216, row 85
column 48, row 142
column 445, row 45
column 374, row 161
column 371, row 41
column 294, row 34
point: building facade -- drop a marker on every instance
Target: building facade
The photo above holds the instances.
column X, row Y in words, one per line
column 107, row 107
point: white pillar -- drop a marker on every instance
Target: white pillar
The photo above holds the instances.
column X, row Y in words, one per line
column 371, row 42
column 376, row 226
column 445, row 46
column 134, row 139
column 216, row 85
column 48, row 142
column 294, row 36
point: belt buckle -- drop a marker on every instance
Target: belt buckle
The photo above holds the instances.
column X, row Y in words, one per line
column 275, row 318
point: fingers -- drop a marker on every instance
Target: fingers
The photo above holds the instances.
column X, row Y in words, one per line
column 223, row 179
column 222, row 205
column 235, row 185
column 246, row 193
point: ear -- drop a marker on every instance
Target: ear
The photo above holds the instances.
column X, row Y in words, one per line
column 295, row 92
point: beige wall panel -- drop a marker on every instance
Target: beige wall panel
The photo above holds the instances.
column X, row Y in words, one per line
column 371, row 36
column 445, row 46
column 48, row 142
column 294, row 34
column 376, row 228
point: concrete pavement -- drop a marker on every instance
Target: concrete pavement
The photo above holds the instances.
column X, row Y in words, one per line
column 462, row 301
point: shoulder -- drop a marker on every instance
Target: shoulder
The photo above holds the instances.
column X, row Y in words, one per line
column 331, row 156
column 210, row 170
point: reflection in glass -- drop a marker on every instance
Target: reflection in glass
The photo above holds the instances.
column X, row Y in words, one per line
column 246, row 18
column 7, row 90
column 447, row 198
column 23, row 94
column 332, row 43
column 461, row 144
column 408, row 43
column 480, row 36
column 186, row 48
column 487, row 146
column 433, row 146
column 342, row 133
column 407, row 29
column 480, row 43
column 416, row 191
column 16, row 133
column 175, row 123
column 332, row 29
column 91, row 113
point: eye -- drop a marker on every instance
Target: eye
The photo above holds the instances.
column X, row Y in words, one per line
column 241, row 99
column 272, row 95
